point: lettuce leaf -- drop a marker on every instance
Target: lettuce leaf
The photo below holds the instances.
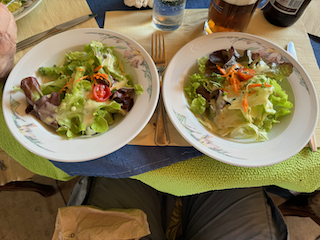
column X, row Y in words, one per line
column 249, row 131
column 198, row 105
column 54, row 86
column 52, row 71
column 100, row 124
column 280, row 71
column 280, row 101
column 138, row 89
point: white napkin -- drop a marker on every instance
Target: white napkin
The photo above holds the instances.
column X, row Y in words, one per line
column 139, row 3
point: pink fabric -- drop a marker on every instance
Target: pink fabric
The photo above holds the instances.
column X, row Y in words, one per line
column 8, row 38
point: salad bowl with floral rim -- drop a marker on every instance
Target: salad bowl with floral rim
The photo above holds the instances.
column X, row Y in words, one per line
column 41, row 139
column 286, row 138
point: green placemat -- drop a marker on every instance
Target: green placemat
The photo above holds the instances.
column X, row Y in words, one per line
column 299, row 173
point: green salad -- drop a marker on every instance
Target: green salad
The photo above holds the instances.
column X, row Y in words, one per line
column 83, row 94
column 239, row 95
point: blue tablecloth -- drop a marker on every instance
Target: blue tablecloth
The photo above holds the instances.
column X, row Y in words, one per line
column 132, row 160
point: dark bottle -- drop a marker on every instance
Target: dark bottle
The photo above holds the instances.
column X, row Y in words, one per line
column 284, row 13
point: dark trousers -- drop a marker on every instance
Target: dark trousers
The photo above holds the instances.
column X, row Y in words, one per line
column 246, row 213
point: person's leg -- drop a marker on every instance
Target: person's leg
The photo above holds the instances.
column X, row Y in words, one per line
column 232, row 214
column 107, row 193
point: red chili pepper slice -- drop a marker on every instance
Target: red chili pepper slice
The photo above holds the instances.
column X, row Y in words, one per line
column 246, row 73
column 101, row 92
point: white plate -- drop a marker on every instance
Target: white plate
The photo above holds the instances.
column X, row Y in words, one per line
column 285, row 139
column 41, row 140
column 22, row 11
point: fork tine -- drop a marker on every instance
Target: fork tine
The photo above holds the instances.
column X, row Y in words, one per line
column 158, row 52
column 163, row 48
column 153, row 46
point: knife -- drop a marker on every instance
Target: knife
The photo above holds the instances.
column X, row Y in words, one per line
column 312, row 143
column 57, row 29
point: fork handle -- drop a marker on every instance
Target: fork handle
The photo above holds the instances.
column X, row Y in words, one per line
column 161, row 137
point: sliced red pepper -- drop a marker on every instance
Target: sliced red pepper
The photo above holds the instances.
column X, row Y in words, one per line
column 246, row 73
column 101, row 92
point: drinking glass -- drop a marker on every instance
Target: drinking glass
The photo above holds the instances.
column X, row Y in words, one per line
column 231, row 15
column 167, row 15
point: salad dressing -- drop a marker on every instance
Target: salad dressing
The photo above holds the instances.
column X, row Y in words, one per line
column 118, row 85
column 88, row 110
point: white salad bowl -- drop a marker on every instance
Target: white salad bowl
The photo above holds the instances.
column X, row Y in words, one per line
column 285, row 139
column 44, row 141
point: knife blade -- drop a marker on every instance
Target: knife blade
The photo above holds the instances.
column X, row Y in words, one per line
column 291, row 49
column 50, row 32
column 312, row 143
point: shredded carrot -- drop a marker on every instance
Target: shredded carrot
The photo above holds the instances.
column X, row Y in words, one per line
column 245, row 102
column 109, row 82
column 97, row 68
column 251, row 93
column 231, row 74
column 80, row 69
column 101, row 76
column 65, row 86
column 222, row 70
column 259, row 85
column 232, row 69
column 235, row 83
column 84, row 77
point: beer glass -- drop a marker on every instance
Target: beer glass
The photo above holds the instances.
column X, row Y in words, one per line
column 231, row 15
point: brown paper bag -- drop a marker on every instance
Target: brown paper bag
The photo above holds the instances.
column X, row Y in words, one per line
column 88, row 222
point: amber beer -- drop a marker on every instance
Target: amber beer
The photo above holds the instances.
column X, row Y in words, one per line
column 230, row 15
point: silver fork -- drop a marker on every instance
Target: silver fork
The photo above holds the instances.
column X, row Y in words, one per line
column 158, row 54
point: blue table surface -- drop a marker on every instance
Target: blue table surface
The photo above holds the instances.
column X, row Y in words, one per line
column 132, row 160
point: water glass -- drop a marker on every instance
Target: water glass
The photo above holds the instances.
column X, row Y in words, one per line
column 167, row 15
